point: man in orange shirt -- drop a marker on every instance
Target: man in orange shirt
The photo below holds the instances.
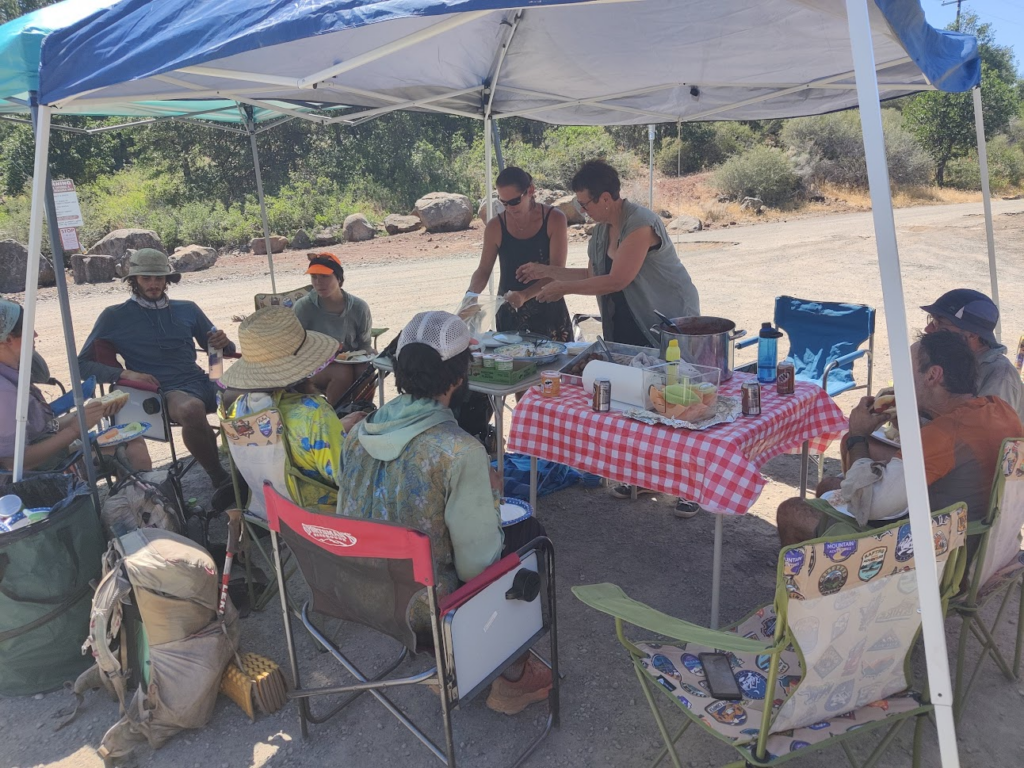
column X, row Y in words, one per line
column 961, row 447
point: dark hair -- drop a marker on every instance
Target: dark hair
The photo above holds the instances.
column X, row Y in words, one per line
column 16, row 331
column 514, row 177
column 133, row 284
column 325, row 261
column 420, row 372
column 953, row 355
column 596, row 177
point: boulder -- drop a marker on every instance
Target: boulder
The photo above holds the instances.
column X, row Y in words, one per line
column 396, row 224
column 755, row 204
column 549, row 196
column 496, row 207
column 357, row 228
column 193, row 258
column 301, row 241
column 682, row 224
column 573, row 213
column 118, row 242
column 123, row 262
column 277, row 244
column 92, row 269
column 588, row 229
column 444, row 212
column 665, row 214
column 328, row 236
column 13, row 265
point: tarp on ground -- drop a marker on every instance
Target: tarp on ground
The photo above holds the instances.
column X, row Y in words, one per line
column 560, row 61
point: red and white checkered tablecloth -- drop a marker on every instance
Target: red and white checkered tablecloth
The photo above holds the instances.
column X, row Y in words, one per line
column 719, row 467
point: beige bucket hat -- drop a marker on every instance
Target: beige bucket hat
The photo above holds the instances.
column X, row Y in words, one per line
column 150, row 261
column 277, row 351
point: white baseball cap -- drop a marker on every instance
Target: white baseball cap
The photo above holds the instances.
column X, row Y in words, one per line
column 443, row 332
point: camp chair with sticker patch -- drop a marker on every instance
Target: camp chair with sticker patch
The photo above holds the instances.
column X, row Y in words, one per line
column 378, row 574
column 997, row 567
column 829, row 661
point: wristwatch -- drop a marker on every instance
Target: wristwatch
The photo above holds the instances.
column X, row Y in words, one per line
column 852, row 440
column 53, row 426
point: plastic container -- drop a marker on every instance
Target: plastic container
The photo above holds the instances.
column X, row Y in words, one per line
column 767, row 353
column 681, row 390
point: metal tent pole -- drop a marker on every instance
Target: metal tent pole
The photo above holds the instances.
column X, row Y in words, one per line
column 986, row 199
column 650, row 165
column 488, row 179
column 65, row 316
column 497, row 146
column 903, row 374
column 250, row 127
column 35, row 242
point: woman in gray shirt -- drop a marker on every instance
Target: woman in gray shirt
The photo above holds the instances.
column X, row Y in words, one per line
column 633, row 270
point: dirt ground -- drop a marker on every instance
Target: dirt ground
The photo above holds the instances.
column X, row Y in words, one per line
column 638, row 545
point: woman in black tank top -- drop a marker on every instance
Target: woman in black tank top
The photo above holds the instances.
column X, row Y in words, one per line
column 526, row 232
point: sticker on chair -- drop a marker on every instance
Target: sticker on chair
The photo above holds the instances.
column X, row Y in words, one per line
column 329, row 536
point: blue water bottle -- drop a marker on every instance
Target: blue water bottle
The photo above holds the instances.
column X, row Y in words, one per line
column 767, row 353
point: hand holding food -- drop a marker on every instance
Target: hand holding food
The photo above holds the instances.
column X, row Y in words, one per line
column 551, row 292
column 885, row 402
column 527, row 273
column 864, row 419
column 515, row 299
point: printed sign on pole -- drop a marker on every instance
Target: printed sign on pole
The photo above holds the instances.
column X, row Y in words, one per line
column 65, row 200
column 69, row 239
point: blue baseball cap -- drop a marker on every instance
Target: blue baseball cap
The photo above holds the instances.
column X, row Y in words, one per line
column 968, row 310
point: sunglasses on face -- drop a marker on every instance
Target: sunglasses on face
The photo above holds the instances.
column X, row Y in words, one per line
column 583, row 204
column 511, row 203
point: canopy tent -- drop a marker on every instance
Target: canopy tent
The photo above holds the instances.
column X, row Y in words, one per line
column 562, row 61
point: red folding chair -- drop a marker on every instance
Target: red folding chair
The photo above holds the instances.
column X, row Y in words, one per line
column 372, row 572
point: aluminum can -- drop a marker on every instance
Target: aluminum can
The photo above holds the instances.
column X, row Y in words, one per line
column 785, row 380
column 550, row 383
column 602, row 395
column 751, row 398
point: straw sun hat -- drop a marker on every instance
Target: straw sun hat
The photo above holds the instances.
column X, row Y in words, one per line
column 277, row 352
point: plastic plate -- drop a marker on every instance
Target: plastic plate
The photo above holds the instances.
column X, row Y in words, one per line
column 122, row 433
column 514, row 511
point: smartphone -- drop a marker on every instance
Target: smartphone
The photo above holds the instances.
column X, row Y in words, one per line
column 721, row 681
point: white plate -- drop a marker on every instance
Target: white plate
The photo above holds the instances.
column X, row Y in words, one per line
column 366, row 357
column 487, row 341
column 843, row 508
column 879, row 435
column 122, row 433
column 508, row 338
column 514, row 511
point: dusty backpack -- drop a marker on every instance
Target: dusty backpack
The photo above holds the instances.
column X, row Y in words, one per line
column 154, row 625
column 141, row 501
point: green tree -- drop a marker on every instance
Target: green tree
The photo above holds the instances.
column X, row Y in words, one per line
column 943, row 123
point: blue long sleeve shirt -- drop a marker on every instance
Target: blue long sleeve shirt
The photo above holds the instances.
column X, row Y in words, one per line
column 160, row 342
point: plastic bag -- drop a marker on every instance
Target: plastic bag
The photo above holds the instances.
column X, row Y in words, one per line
column 480, row 311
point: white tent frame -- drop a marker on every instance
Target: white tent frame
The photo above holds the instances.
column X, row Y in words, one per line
column 869, row 91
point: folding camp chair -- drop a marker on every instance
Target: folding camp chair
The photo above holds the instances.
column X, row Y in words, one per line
column 288, row 299
column 828, row 661
column 373, row 573
column 997, row 566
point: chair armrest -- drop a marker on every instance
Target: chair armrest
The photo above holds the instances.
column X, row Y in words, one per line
column 844, row 359
column 141, row 385
column 978, row 527
column 746, row 343
column 610, row 599
column 474, row 585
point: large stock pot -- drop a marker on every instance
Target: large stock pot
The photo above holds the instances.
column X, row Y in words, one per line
column 703, row 341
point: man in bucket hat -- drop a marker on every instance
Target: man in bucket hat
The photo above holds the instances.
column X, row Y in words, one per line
column 974, row 316
column 156, row 337
column 410, row 463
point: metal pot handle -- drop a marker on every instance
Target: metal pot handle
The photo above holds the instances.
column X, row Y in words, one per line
column 737, row 335
column 656, row 330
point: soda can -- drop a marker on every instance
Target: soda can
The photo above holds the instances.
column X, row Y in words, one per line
column 785, row 381
column 602, row 395
column 751, row 398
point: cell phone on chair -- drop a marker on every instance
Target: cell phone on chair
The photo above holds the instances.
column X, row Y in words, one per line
column 718, row 672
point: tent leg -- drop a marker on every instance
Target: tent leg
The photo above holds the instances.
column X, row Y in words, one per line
column 986, row 199
column 903, row 374
column 650, row 167
column 69, row 329
column 35, row 244
column 497, row 146
column 250, row 126
column 488, row 181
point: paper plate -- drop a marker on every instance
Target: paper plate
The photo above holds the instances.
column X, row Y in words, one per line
column 122, row 433
column 366, row 357
column 514, row 511
column 508, row 338
column 879, row 435
column 840, row 505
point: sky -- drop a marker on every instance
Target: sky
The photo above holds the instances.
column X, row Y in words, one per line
column 1005, row 16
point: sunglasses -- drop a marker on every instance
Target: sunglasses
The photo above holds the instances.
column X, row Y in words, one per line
column 584, row 205
column 511, row 203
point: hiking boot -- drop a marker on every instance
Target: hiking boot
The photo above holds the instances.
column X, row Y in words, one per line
column 684, row 509
column 511, row 698
column 626, row 491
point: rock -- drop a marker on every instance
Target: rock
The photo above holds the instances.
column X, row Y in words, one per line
column 357, row 228
column 444, row 212
column 193, row 258
column 14, row 263
column 118, row 242
column 755, row 204
column 682, row 224
column 665, row 214
column 301, row 241
column 328, row 236
column 397, row 224
column 496, row 208
column 588, row 229
column 549, row 196
column 277, row 244
column 92, row 269
column 568, row 205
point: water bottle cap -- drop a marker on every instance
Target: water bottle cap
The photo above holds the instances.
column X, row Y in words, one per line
column 674, row 343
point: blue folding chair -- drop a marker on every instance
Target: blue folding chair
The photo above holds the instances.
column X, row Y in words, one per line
column 66, row 401
column 825, row 339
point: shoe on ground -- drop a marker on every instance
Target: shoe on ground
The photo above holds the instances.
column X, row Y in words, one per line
column 512, row 698
column 684, row 509
column 626, row 491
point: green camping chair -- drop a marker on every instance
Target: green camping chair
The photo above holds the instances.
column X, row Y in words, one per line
column 998, row 566
column 831, row 655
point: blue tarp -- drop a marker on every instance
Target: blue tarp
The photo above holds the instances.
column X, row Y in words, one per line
column 569, row 61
